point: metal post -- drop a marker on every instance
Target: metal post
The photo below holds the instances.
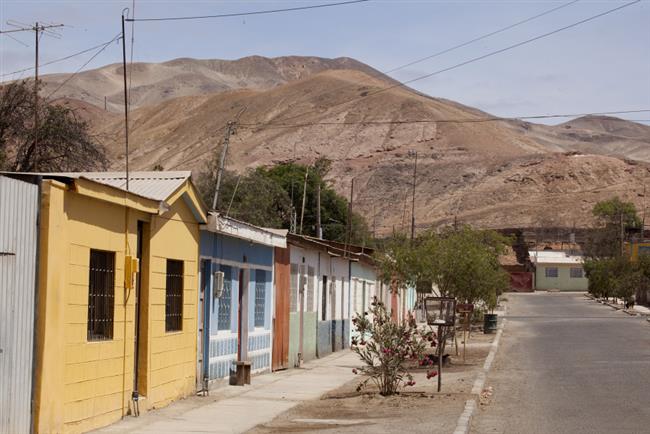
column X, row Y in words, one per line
column 36, row 33
column 439, row 358
column 126, row 105
column 319, row 230
column 304, row 198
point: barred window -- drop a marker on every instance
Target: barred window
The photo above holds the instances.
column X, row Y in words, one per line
column 174, row 296
column 225, row 302
column 324, row 296
column 294, row 288
column 101, row 295
column 576, row 273
column 260, row 297
column 551, row 272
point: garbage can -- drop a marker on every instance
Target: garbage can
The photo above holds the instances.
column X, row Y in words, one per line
column 490, row 323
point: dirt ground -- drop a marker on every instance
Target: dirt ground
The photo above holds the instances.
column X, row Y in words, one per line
column 417, row 409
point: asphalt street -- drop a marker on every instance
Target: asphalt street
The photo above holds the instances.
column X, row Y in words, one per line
column 568, row 365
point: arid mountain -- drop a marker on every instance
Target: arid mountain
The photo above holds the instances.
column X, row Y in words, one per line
column 152, row 83
column 490, row 173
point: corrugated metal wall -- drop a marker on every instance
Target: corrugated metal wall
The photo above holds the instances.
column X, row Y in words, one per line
column 18, row 248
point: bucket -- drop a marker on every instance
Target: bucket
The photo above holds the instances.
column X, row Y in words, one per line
column 490, row 323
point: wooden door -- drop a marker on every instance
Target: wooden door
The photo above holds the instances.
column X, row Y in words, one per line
column 280, row 357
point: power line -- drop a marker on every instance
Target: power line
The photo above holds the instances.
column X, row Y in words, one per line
column 70, row 56
column 475, row 59
column 242, row 14
column 480, row 38
column 74, row 74
column 436, row 121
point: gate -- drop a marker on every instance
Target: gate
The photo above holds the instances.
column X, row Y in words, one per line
column 281, row 316
column 18, row 251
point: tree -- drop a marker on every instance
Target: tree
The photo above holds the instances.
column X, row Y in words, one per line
column 614, row 218
column 64, row 142
column 272, row 197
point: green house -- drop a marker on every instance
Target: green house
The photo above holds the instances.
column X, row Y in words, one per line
column 558, row 270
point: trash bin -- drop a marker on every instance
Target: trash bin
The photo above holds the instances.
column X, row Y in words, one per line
column 490, row 323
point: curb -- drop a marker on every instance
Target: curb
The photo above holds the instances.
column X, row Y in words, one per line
column 465, row 420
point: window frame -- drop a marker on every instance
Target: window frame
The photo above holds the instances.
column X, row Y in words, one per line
column 549, row 275
column 174, row 281
column 108, row 294
column 580, row 271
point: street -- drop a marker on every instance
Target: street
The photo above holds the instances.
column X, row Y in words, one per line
column 568, row 365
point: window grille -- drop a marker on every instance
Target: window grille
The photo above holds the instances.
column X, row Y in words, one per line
column 174, row 296
column 310, row 289
column 225, row 301
column 294, row 288
column 551, row 272
column 101, row 295
column 260, row 297
column 576, row 273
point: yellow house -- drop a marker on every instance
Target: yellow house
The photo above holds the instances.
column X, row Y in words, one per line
column 636, row 248
column 110, row 340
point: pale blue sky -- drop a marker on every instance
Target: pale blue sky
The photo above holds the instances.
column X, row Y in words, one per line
column 600, row 66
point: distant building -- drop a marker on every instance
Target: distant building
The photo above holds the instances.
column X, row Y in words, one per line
column 558, row 270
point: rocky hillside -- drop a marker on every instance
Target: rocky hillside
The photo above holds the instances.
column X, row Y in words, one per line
column 152, row 83
column 491, row 173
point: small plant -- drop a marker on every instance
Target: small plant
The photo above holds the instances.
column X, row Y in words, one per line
column 387, row 349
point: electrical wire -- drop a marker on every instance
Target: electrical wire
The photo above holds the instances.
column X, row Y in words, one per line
column 441, row 121
column 73, row 75
column 474, row 59
column 242, row 14
column 79, row 53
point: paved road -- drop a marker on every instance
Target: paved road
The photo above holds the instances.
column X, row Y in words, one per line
column 568, row 365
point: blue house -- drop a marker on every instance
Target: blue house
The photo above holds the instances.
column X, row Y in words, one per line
column 236, row 297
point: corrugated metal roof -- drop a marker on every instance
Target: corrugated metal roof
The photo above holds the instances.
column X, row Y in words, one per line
column 151, row 185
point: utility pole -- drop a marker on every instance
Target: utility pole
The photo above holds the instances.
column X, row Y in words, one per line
column 622, row 234
column 226, row 140
column 319, row 230
column 37, row 29
column 126, row 104
column 348, row 237
column 304, row 198
column 415, row 174
column 643, row 219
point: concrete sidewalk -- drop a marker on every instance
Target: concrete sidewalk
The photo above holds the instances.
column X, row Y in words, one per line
column 233, row 409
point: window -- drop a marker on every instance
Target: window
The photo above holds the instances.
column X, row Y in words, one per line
column 101, row 295
column 323, row 315
column 260, row 297
column 225, row 302
column 294, row 288
column 174, row 296
column 576, row 273
column 551, row 272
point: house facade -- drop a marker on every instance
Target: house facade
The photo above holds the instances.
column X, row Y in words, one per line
column 237, row 314
column 557, row 270
column 116, row 308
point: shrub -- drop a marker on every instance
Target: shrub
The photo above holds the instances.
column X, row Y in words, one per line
column 387, row 349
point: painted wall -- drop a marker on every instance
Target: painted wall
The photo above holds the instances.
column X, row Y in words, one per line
column 304, row 267
column 232, row 255
column 564, row 281
column 83, row 385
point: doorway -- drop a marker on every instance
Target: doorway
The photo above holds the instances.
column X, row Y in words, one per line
column 141, row 338
column 242, row 316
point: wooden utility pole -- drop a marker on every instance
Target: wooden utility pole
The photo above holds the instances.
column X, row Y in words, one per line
column 222, row 162
column 126, row 105
column 415, row 174
column 304, row 199
column 319, row 230
column 348, row 236
column 37, row 29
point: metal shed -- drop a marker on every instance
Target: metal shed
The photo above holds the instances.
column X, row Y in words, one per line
column 19, row 204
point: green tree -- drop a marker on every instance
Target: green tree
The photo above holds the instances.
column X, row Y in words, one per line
column 614, row 218
column 63, row 141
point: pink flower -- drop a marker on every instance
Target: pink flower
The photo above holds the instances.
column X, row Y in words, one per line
column 354, row 371
column 431, row 374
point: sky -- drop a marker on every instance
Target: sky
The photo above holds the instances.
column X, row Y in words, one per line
column 599, row 66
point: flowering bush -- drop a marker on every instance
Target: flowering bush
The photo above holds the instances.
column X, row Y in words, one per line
column 387, row 348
